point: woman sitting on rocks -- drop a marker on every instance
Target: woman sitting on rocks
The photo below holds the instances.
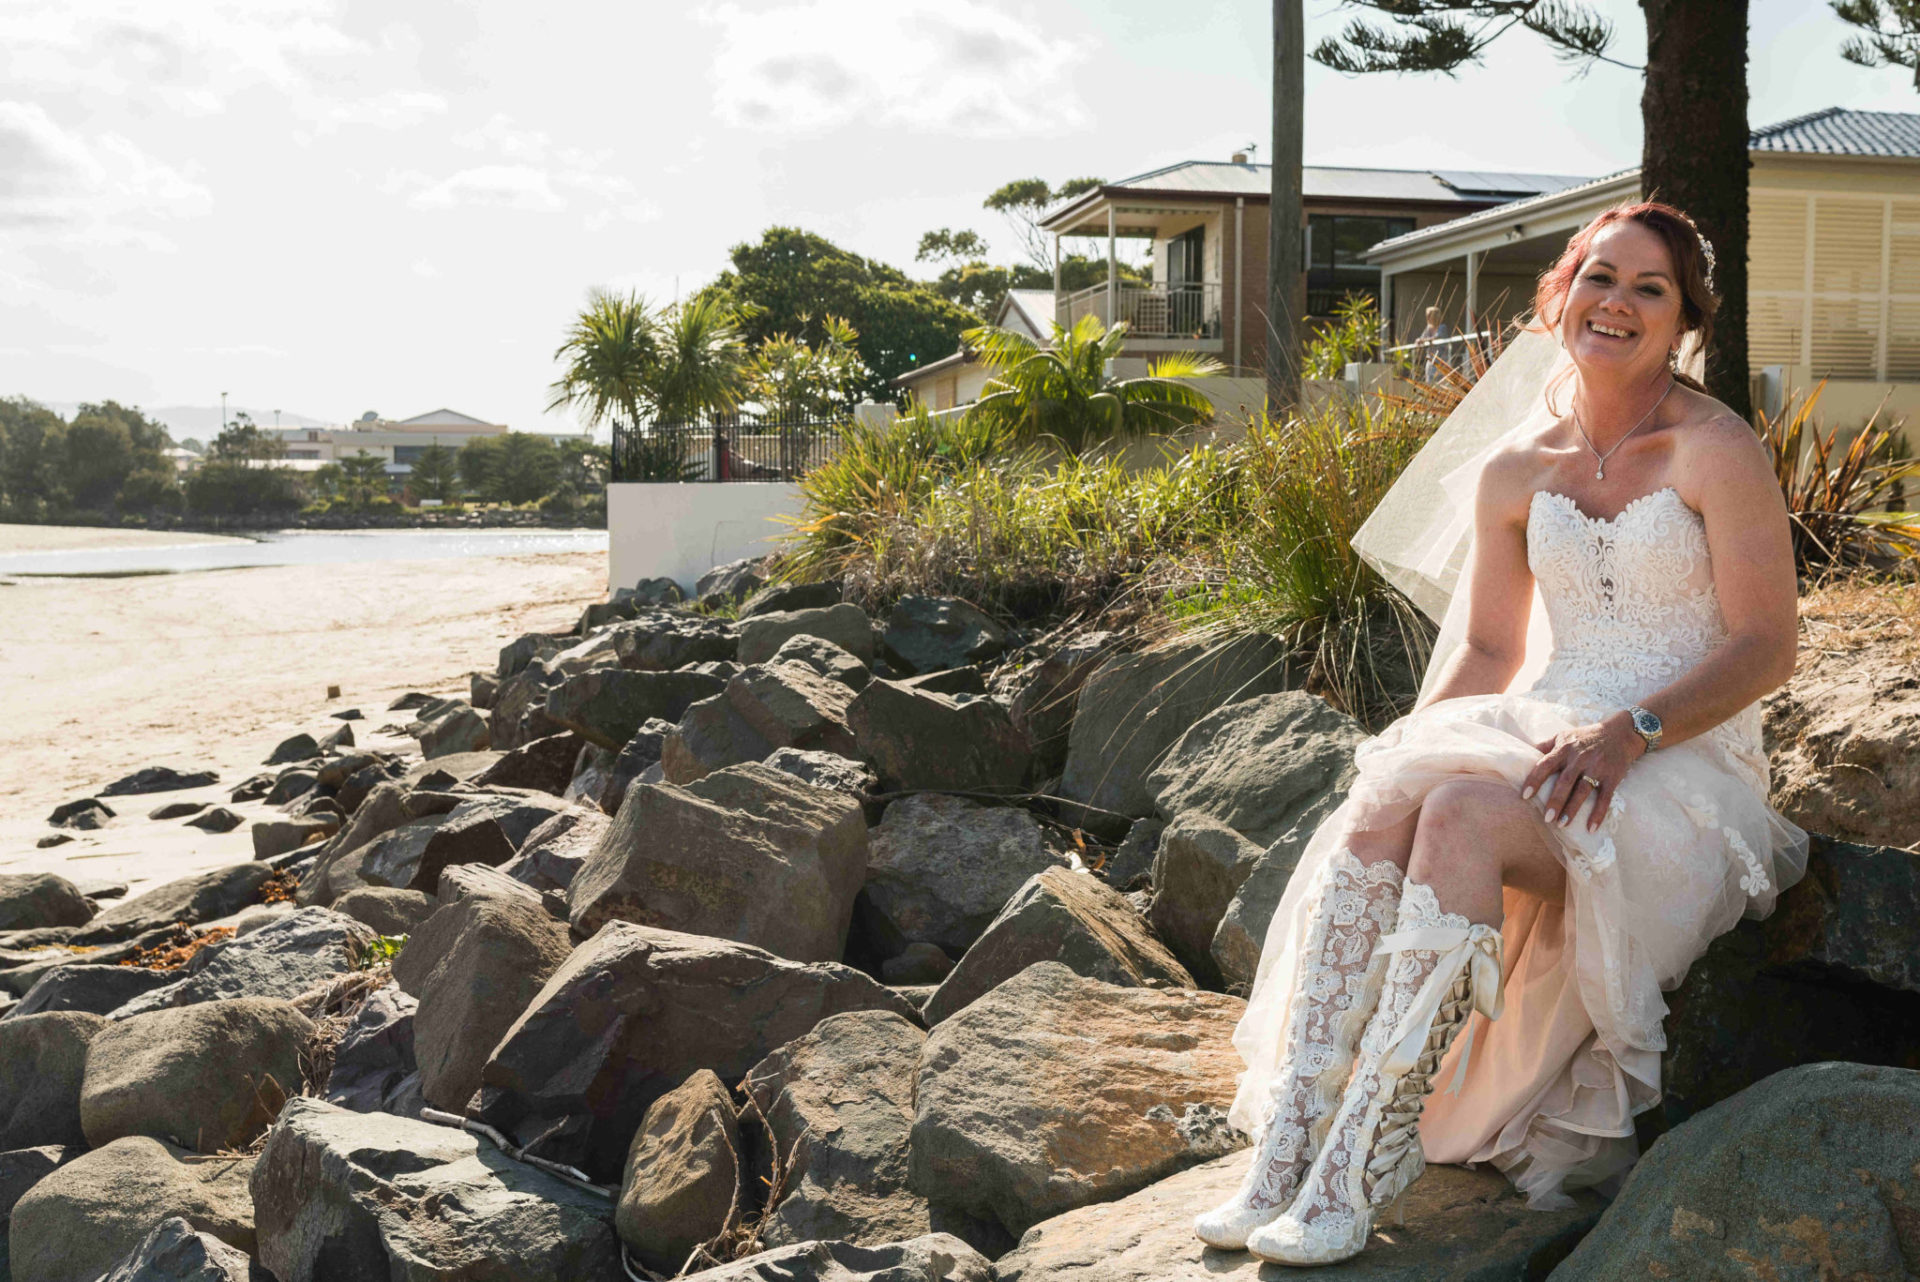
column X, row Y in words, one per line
column 1579, row 816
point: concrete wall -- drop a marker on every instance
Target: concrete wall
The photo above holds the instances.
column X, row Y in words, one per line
column 680, row 532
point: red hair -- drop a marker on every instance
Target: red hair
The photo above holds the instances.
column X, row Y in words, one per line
column 1684, row 247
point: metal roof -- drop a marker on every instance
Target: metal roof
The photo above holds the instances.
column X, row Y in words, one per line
column 1838, row 131
column 1512, row 211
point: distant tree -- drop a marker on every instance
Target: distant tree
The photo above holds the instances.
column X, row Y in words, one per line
column 583, row 464
column 1890, row 33
column 436, row 475
column 944, row 245
column 609, row 353
column 1024, row 202
column 105, row 444
column 792, row 378
column 240, row 440
column 33, row 452
column 516, row 467
column 700, row 359
column 152, row 491
column 324, row 481
column 363, row 478
column 237, row 487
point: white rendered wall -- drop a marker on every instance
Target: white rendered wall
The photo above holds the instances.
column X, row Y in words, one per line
column 664, row 530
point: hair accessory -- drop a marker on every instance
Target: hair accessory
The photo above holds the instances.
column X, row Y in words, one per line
column 1706, row 249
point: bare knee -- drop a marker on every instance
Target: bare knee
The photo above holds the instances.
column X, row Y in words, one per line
column 1457, row 831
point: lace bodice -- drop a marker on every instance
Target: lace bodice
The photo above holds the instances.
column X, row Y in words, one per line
column 1630, row 601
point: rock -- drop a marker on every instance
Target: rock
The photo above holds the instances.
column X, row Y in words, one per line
column 29, row 901
column 1242, row 931
column 592, row 772
column 209, row 1076
column 918, row 964
column 348, row 714
column 373, row 1062
column 711, row 736
column 482, row 687
column 218, row 819
column 1799, row 1176
column 825, row 658
column 517, row 813
column 386, row 910
column 412, row 856
column 784, row 598
column 730, row 583
column 1054, row 1091
column 300, row 747
column 845, row 625
column 545, row 765
column 98, row 990
column 516, row 655
column 341, row 1196
column 477, row 881
column 22, row 1168
column 554, row 853
column 656, row 591
column 932, row 634
column 840, row 1101
column 87, row 1216
column 790, row 705
column 1261, row 766
column 642, row 751
column 43, row 1059
column 941, row 869
column 84, row 815
column 1130, row 867
column 176, row 810
column 609, row 706
column 252, row 789
column 337, row 739
column 630, row 1014
column 444, row 772
column 294, row 781
column 175, row 1252
column 159, row 779
column 1066, row 917
column 51, row 840
column 474, row 965
column 409, row 701
column 824, row 770
column 464, row 729
column 682, row 1179
column 278, row 836
column 1198, row 869
column 747, row 854
column 950, row 681
column 917, row 739
column 937, row 1257
column 1133, row 707
column 282, row 959
column 664, row 641
column 193, row 900
column 102, row 888
column 520, row 707
column 1041, row 696
column 1461, row 1224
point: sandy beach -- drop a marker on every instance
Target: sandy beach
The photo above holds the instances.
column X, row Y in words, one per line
column 212, row 669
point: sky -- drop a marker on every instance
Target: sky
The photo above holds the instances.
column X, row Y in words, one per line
column 334, row 206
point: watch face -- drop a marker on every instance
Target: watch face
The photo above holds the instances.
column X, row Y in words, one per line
column 1645, row 722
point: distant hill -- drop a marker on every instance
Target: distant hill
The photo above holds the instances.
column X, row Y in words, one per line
column 202, row 422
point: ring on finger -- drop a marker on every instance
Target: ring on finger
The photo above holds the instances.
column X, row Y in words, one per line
column 1590, row 781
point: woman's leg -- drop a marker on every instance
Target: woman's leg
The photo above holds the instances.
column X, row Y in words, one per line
column 1474, row 836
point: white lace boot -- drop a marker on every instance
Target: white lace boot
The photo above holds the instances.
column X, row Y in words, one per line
column 1443, row 969
column 1351, row 907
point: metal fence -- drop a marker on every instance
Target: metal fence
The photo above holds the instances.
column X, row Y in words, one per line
column 724, row 449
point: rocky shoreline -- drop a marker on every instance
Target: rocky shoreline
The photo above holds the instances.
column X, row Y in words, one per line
column 808, row 945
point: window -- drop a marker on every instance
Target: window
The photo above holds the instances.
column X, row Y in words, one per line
column 408, row 455
column 1834, row 284
column 1337, row 246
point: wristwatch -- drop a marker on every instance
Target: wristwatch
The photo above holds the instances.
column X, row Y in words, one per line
column 1646, row 725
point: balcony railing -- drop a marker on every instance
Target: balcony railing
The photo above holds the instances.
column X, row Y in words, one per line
column 704, row 450
column 1155, row 311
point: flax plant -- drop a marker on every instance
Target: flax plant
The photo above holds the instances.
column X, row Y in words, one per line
column 1838, row 499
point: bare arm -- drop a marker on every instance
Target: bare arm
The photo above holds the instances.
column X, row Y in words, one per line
column 1499, row 587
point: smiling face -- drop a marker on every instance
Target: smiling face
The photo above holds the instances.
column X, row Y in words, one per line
column 1622, row 315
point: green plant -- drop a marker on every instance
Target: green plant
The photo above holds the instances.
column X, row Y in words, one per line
column 363, row 478
column 1837, row 499
column 1063, row 391
column 381, row 951
column 658, row 455
column 1352, row 335
column 610, row 353
column 792, row 378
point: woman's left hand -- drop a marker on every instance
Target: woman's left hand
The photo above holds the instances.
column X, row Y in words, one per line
column 1581, row 758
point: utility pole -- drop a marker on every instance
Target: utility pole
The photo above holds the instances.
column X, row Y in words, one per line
column 276, row 420
column 1284, row 207
column 223, row 411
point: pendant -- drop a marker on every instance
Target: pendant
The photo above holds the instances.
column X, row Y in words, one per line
column 1599, row 473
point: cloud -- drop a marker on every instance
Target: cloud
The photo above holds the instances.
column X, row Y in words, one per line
column 395, row 109
column 501, row 186
column 57, row 179
column 530, row 173
column 421, row 267
column 949, row 66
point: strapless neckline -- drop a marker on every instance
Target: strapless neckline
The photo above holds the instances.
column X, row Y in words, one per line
column 1619, row 516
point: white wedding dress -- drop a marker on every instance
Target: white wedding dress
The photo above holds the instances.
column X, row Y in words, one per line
column 1690, row 845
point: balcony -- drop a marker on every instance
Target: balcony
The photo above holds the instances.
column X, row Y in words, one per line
column 1185, row 310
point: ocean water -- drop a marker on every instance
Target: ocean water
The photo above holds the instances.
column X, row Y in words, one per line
column 302, row 547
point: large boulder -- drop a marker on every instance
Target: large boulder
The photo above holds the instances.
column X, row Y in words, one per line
column 374, row 1069
column 282, row 959
column 412, row 856
column 682, row 1178
column 764, row 707
column 642, row 752
column 847, row 626
column 208, row 1077
column 731, row 583
column 520, row 706
column 943, row 867
column 1055, row 1091
column 712, row 736
column 1133, row 707
column 43, row 1061
column 460, row 729
column 663, row 640
column 608, row 706
column 86, row 1217
column 824, row 770
column 840, row 1103
column 159, row 779
column 193, row 900
column 30, row 901
column 658, row 590
column 932, row 634
column 919, row 739
column 385, row 910
column 634, row 1011
column 825, row 658
column 936, row 1257
column 544, row 764
column 340, row 1195
column 1043, row 696
column 1066, row 917
column 517, row 654
column 554, row 853
column 473, row 966
column 747, row 853
column 1199, row 867
column 1262, row 766
column 1461, row 1225
column 1800, row 1176
column 176, row 1252
column 98, row 989
column 780, row 598
column 22, row 1168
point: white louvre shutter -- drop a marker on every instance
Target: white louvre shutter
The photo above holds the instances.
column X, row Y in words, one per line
column 1773, row 330
column 1846, row 337
column 1904, row 269
column 1846, row 247
column 1903, row 341
column 1777, row 242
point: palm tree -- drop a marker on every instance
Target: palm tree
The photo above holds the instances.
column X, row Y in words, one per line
column 700, row 359
column 1064, row 391
column 611, row 352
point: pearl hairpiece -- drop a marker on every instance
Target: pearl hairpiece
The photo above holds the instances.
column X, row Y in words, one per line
column 1706, row 249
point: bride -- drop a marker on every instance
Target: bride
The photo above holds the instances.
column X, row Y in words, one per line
column 1561, row 826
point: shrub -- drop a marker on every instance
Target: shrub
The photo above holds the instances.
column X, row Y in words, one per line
column 1837, row 499
column 223, row 487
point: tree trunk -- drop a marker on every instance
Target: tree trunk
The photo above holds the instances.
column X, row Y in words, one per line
column 1694, row 155
column 1284, row 213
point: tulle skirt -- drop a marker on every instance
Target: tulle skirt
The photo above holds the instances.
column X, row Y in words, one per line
column 1552, row 1087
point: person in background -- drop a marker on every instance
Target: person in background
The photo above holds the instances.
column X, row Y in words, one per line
column 1437, row 352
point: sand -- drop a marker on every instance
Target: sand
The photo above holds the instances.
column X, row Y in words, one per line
column 62, row 538
column 212, row 669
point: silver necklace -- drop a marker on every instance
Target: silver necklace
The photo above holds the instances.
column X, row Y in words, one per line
column 1599, row 459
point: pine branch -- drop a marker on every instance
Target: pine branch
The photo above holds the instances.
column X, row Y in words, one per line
column 1436, row 35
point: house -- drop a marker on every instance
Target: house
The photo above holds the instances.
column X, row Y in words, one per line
column 1833, row 259
column 958, row 379
column 398, row 442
